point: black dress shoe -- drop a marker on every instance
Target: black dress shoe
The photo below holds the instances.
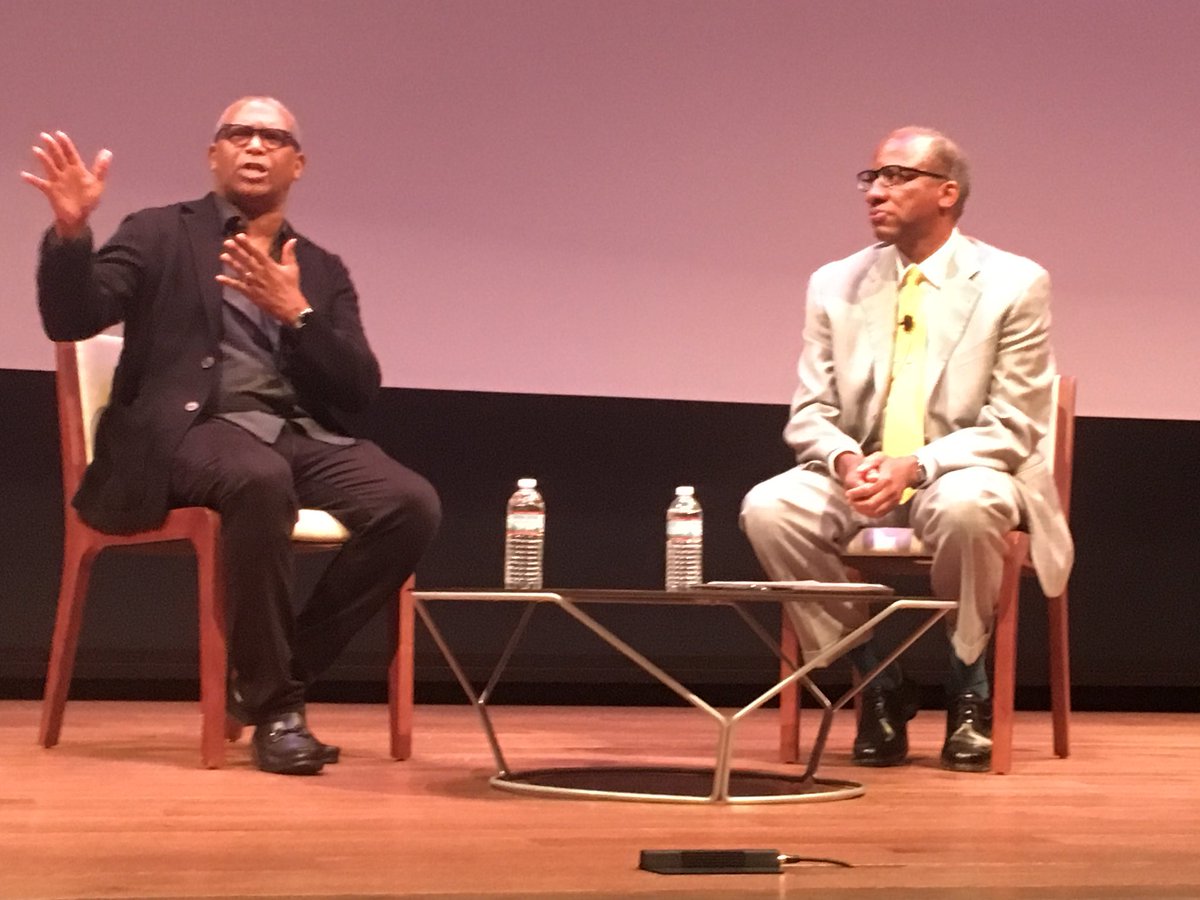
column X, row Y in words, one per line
column 968, row 746
column 236, row 716
column 285, row 746
column 330, row 753
column 882, row 738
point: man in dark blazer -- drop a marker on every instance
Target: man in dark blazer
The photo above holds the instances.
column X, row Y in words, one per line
column 244, row 353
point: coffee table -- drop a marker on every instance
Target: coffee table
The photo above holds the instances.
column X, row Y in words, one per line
column 720, row 782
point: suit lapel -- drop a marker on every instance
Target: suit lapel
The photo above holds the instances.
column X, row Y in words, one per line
column 948, row 319
column 204, row 232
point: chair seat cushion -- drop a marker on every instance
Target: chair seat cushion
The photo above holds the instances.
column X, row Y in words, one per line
column 885, row 542
column 319, row 527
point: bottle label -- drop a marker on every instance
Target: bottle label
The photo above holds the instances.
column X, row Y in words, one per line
column 526, row 523
column 685, row 528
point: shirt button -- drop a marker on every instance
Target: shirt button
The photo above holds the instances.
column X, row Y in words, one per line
column 207, row 363
column 191, row 406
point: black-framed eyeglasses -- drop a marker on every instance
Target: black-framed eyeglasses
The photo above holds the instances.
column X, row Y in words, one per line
column 890, row 176
column 270, row 138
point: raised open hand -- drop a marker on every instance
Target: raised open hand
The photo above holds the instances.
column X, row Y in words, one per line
column 272, row 286
column 71, row 187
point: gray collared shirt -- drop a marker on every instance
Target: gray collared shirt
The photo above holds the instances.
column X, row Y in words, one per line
column 252, row 392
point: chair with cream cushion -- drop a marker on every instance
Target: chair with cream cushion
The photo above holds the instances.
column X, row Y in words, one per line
column 882, row 552
column 83, row 381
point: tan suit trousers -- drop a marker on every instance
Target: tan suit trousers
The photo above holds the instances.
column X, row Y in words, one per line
column 799, row 523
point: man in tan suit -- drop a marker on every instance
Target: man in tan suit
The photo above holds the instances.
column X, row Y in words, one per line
column 925, row 383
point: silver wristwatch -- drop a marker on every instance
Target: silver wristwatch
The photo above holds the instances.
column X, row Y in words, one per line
column 302, row 318
column 921, row 475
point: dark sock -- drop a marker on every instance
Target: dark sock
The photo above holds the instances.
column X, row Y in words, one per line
column 864, row 658
column 964, row 677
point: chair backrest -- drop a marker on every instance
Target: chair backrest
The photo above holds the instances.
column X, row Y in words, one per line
column 83, row 383
column 1059, row 444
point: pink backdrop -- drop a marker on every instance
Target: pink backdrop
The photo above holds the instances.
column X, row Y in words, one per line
column 625, row 197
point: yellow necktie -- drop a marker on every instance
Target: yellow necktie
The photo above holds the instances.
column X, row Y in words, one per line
column 904, row 414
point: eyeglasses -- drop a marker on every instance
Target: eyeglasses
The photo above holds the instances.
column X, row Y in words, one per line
column 270, row 138
column 890, row 176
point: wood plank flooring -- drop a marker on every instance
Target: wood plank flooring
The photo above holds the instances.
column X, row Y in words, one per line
column 121, row 809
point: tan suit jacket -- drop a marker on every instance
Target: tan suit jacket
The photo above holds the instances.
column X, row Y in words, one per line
column 989, row 371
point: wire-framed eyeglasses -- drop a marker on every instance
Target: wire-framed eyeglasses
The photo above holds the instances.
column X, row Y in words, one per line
column 890, row 176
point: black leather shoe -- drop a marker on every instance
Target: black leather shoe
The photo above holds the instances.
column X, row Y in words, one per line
column 330, row 753
column 285, row 746
column 968, row 746
column 237, row 716
column 882, row 738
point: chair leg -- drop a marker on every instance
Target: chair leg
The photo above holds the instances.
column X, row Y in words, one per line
column 400, row 676
column 789, row 697
column 1005, row 657
column 1060, row 673
column 78, row 557
column 214, row 654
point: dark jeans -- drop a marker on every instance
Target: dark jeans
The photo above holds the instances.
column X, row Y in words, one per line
column 391, row 512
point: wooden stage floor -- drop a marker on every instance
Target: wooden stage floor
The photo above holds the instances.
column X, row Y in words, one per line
column 121, row 809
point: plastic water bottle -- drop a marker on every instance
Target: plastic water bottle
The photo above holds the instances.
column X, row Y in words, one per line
column 685, row 541
column 524, row 538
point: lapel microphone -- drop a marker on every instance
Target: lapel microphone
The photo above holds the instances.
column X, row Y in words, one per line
column 907, row 323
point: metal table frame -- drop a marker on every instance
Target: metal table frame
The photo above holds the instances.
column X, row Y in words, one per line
column 723, row 783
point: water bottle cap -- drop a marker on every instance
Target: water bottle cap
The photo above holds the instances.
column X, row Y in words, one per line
column 526, row 484
column 685, row 490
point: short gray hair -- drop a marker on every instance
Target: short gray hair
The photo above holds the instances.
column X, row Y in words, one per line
column 946, row 157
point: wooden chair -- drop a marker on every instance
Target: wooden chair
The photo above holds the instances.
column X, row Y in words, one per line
column 83, row 380
column 891, row 551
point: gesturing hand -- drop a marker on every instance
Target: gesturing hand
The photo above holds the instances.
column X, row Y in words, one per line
column 71, row 187
column 272, row 286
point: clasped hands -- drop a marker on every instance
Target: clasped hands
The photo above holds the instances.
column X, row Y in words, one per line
column 875, row 484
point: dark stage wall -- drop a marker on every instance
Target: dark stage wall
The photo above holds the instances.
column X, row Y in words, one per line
column 608, row 467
